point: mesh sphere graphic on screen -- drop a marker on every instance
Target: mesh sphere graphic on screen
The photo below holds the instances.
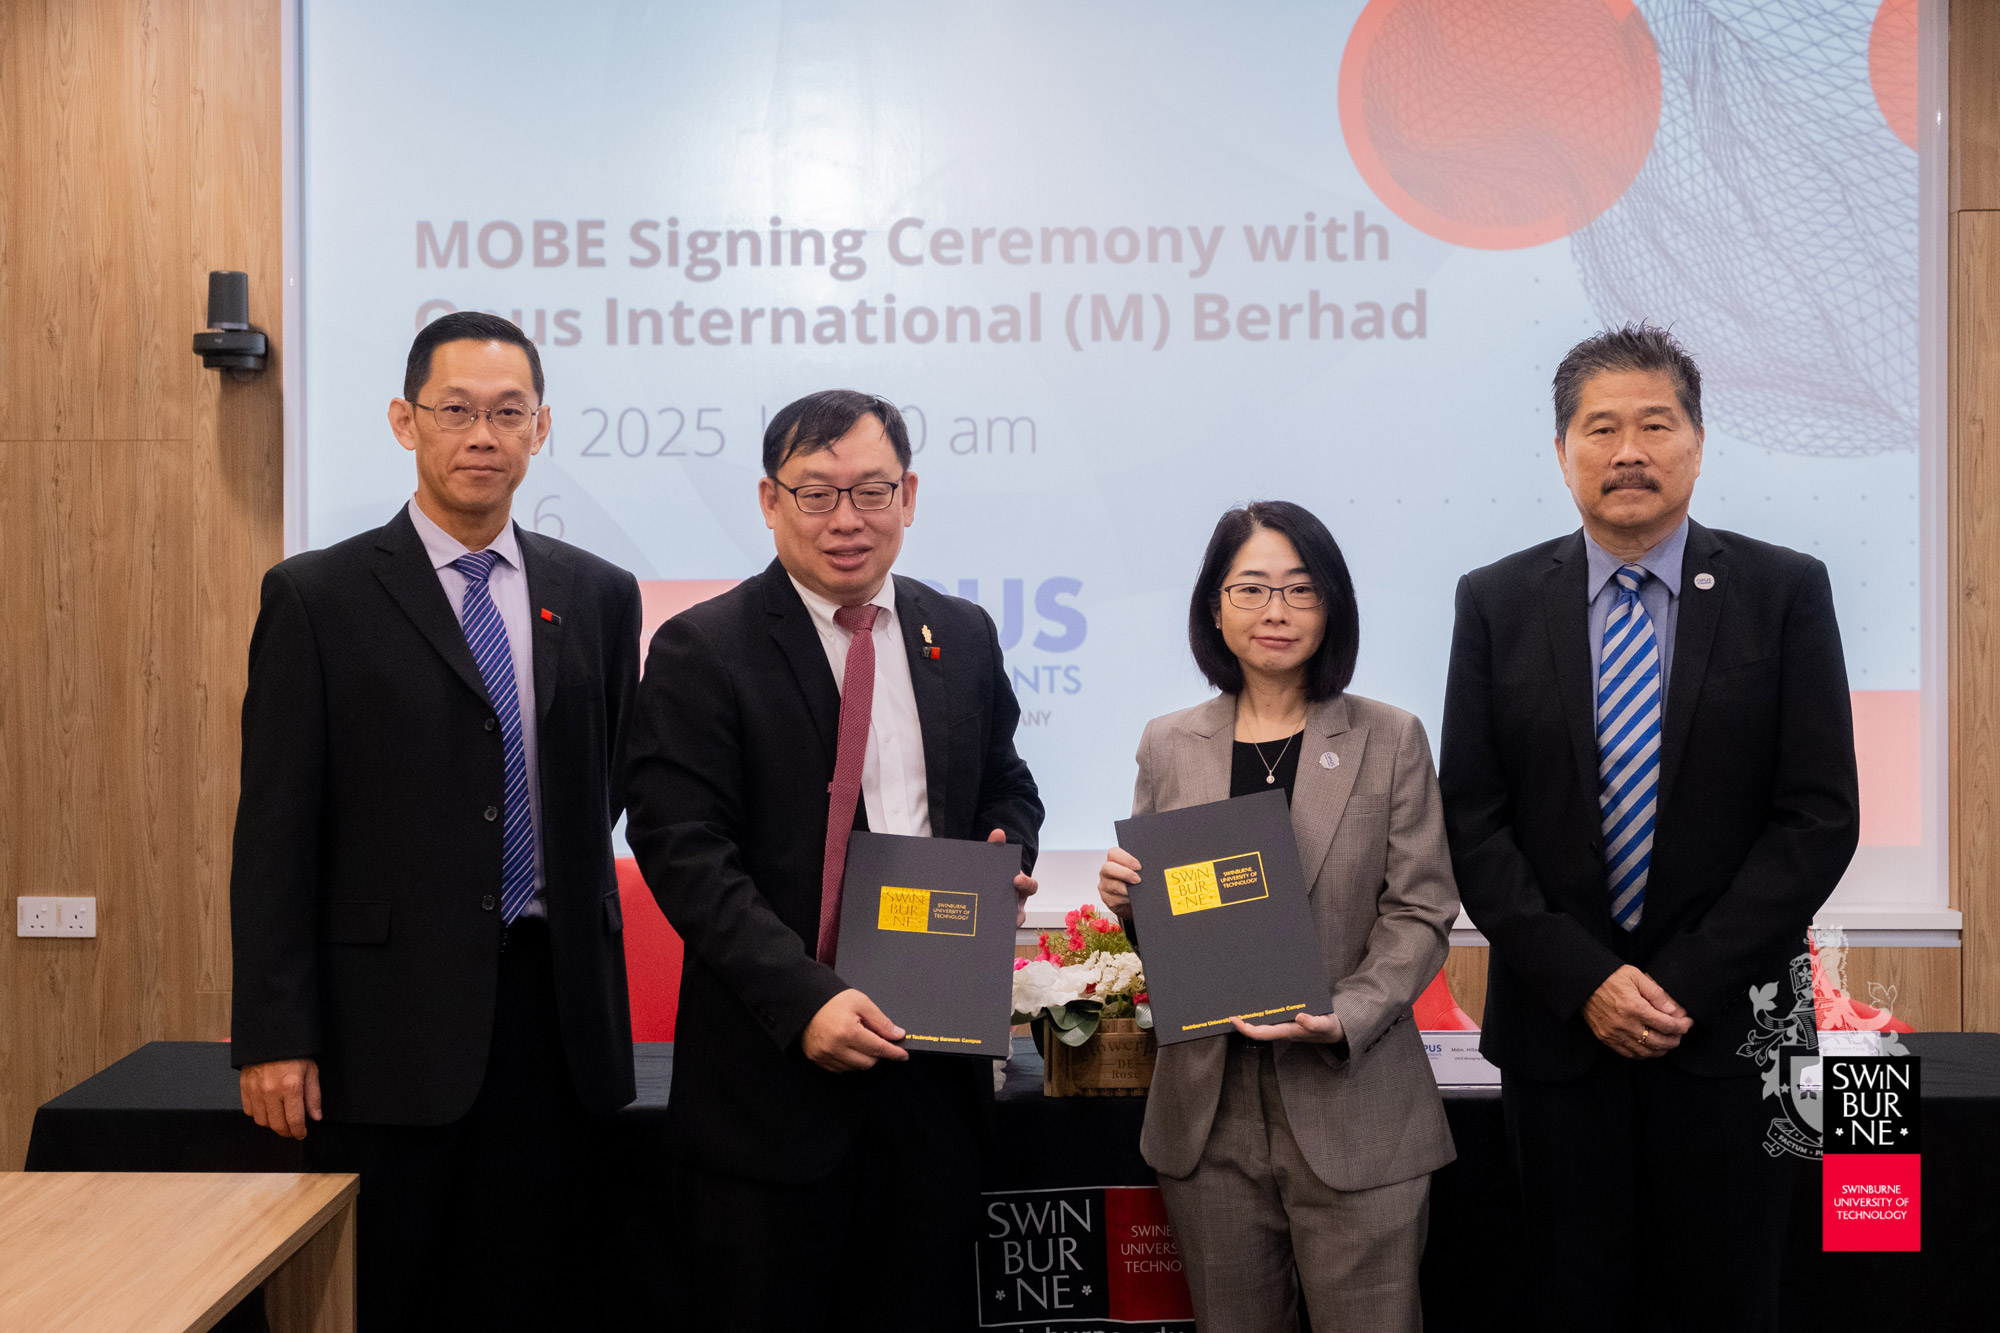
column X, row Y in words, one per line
column 1774, row 224
column 1499, row 126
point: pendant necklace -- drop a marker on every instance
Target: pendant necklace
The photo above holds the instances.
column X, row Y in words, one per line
column 1271, row 768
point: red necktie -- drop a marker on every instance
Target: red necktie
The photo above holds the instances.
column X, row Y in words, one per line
column 857, row 705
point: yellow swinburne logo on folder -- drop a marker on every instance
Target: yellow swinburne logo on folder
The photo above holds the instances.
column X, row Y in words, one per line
column 928, row 912
column 1218, row 883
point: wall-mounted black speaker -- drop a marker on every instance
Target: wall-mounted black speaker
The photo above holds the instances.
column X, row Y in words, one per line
column 231, row 344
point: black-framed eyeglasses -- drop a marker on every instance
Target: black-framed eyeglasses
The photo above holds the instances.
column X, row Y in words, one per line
column 1256, row 596
column 868, row 495
column 507, row 419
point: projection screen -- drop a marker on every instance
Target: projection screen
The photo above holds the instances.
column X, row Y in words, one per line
column 1124, row 265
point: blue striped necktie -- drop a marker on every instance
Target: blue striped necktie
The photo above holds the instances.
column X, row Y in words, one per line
column 486, row 635
column 1628, row 746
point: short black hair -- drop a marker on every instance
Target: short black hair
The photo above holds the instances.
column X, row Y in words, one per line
column 1331, row 667
column 465, row 326
column 1640, row 346
column 818, row 420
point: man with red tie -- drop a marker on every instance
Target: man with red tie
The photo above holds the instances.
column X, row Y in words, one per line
column 835, row 1175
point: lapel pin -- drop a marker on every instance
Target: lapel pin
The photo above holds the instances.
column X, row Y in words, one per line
column 934, row 653
column 927, row 633
column 551, row 616
column 1704, row 581
column 1329, row 760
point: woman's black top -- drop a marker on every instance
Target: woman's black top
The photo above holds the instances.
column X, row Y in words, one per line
column 1247, row 771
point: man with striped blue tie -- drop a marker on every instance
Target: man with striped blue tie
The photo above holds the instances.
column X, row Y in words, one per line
column 429, row 958
column 1649, row 785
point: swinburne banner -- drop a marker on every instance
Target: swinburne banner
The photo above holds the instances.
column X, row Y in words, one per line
column 1872, row 1173
column 1081, row 1259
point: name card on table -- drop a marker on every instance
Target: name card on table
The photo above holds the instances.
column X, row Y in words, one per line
column 1456, row 1061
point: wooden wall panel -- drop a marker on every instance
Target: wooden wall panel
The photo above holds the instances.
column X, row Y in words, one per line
column 1925, row 982
column 94, row 119
column 1975, row 447
column 1973, row 472
column 1465, row 969
column 140, row 503
column 99, row 734
column 238, row 428
column 1975, row 104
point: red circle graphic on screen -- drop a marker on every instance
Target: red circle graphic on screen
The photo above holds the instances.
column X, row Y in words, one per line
column 1499, row 126
column 1892, row 66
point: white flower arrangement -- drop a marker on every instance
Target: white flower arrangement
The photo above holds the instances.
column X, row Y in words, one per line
column 1078, row 975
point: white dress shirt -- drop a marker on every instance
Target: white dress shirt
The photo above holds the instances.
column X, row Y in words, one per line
column 508, row 587
column 894, row 787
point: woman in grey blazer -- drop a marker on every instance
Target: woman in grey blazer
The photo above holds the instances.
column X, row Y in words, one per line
column 1305, row 1146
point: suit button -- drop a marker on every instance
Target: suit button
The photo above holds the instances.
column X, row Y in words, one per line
column 492, row 722
column 492, row 813
column 486, row 903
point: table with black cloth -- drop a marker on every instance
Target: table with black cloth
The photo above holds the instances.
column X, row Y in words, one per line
column 173, row 1106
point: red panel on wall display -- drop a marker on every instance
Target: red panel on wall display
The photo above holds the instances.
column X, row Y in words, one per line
column 652, row 957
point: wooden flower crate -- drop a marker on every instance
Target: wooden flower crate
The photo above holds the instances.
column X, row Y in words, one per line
column 1117, row 1061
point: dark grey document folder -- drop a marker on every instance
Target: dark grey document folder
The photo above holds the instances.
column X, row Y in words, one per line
column 927, row 932
column 1222, row 918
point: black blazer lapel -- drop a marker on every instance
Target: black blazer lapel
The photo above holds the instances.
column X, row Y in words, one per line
column 1694, row 635
column 928, row 682
column 796, row 636
column 1564, row 591
column 548, row 574
column 404, row 567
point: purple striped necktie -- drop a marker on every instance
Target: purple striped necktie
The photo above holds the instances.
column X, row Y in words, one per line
column 486, row 635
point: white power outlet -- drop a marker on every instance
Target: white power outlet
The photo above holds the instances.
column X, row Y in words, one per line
column 36, row 917
column 78, row 918
column 50, row 918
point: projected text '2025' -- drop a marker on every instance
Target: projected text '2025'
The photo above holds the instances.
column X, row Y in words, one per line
column 698, row 432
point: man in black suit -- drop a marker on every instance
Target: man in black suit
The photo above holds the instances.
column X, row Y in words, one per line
column 429, row 965
column 834, row 1175
column 1649, row 784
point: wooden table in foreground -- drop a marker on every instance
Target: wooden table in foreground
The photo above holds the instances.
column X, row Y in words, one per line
column 174, row 1252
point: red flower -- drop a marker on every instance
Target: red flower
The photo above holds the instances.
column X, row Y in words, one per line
column 1140, row 998
column 1103, row 926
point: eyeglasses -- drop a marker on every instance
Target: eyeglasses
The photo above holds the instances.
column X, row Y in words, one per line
column 869, row 495
column 1256, row 596
column 507, row 419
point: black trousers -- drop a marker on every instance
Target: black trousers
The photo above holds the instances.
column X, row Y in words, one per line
column 1650, row 1201
column 477, row 1224
column 884, row 1243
